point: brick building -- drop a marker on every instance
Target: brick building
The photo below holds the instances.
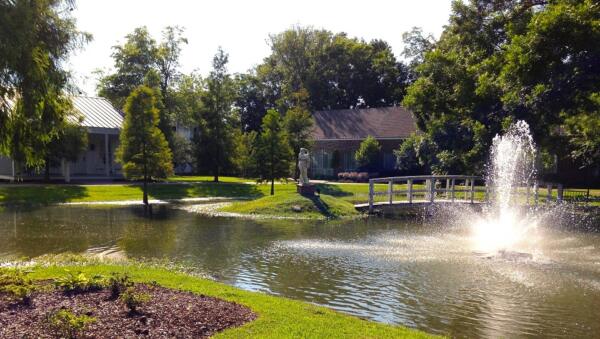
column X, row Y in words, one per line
column 338, row 133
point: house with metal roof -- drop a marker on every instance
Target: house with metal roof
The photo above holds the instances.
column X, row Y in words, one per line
column 338, row 134
column 103, row 123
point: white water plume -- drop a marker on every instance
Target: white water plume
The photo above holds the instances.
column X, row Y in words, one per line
column 504, row 226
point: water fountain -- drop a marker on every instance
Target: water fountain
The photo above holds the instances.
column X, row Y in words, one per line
column 506, row 228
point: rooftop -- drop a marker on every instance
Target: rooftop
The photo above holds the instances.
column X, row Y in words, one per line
column 351, row 124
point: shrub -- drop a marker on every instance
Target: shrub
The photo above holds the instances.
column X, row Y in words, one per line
column 118, row 283
column 79, row 282
column 17, row 285
column 67, row 324
column 368, row 153
column 133, row 300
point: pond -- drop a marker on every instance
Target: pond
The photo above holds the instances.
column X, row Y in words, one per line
column 415, row 274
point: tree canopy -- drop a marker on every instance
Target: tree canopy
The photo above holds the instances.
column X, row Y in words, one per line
column 501, row 61
column 36, row 38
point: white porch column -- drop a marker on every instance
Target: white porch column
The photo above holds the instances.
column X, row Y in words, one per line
column 106, row 156
column 66, row 169
column 13, row 170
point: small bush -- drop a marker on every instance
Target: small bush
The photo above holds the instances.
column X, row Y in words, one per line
column 17, row 285
column 118, row 283
column 133, row 300
column 68, row 324
column 79, row 282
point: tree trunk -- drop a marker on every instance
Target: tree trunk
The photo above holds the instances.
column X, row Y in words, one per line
column 272, row 186
column 145, row 190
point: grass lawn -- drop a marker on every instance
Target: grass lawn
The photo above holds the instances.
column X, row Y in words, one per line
column 202, row 186
column 277, row 317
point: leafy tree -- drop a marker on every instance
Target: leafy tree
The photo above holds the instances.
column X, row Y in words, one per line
column 551, row 76
column 69, row 145
column 272, row 154
column 36, row 38
column 143, row 150
column 245, row 153
column 143, row 61
column 252, row 100
column 214, row 139
column 298, row 126
column 133, row 60
column 367, row 155
column 335, row 70
column 455, row 98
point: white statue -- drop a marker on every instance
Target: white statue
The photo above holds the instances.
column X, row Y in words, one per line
column 303, row 165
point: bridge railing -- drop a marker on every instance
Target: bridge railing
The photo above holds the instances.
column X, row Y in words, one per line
column 427, row 188
column 453, row 188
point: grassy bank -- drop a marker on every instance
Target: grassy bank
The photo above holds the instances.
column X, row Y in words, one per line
column 291, row 204
column 202, row 186
column 277, row 317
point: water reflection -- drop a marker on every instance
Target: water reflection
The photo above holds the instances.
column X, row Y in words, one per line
column 398, row 272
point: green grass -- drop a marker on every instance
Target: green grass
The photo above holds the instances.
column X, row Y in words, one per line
column 202, row 186
column 282, row 203
column 277, row 317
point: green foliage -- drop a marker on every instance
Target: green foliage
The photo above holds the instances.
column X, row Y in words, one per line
column 335, row 70
column 367, row 155
column 298, row 126
column 143, row 150
column 216, row 121
column 36, row 38
column 17, row 284
column 273, row 154
column 143, row 61
column 245, row 152
column 68, row 324
column 79, row 282
column 502, row 61
column 134, row 300
column 118, row 283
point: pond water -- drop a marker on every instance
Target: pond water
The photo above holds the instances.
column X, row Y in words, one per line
column 400, row 272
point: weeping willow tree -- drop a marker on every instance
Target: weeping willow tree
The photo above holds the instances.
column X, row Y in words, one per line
column 36, row 38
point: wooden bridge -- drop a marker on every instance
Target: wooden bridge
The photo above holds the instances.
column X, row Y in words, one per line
column 429, row 189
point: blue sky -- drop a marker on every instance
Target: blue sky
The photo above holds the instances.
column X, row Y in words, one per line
column 241, row 27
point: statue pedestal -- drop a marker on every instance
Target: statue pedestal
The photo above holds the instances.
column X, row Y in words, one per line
column 307, row 190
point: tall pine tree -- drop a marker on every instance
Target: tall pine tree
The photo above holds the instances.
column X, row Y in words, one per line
column 273, row 153
column 143, row 150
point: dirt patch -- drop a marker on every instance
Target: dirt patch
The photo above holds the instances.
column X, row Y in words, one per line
column 168, row 314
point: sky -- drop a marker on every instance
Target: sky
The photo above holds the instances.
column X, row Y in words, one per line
column 241, row 27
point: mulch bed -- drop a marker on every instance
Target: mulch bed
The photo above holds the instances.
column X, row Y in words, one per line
column 169, row 314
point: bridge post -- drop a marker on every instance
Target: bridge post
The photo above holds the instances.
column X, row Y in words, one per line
column 452, row 190
column 447, row 188
column 391, row 191
column 559, row 193
column 371, row 193
column 431, row 190
column 527, row 193
column 472, row 190
column 536, row 193
column 409, row 193
column 549, row 194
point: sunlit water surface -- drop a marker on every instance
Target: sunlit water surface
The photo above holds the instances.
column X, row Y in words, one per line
column 411, row 273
